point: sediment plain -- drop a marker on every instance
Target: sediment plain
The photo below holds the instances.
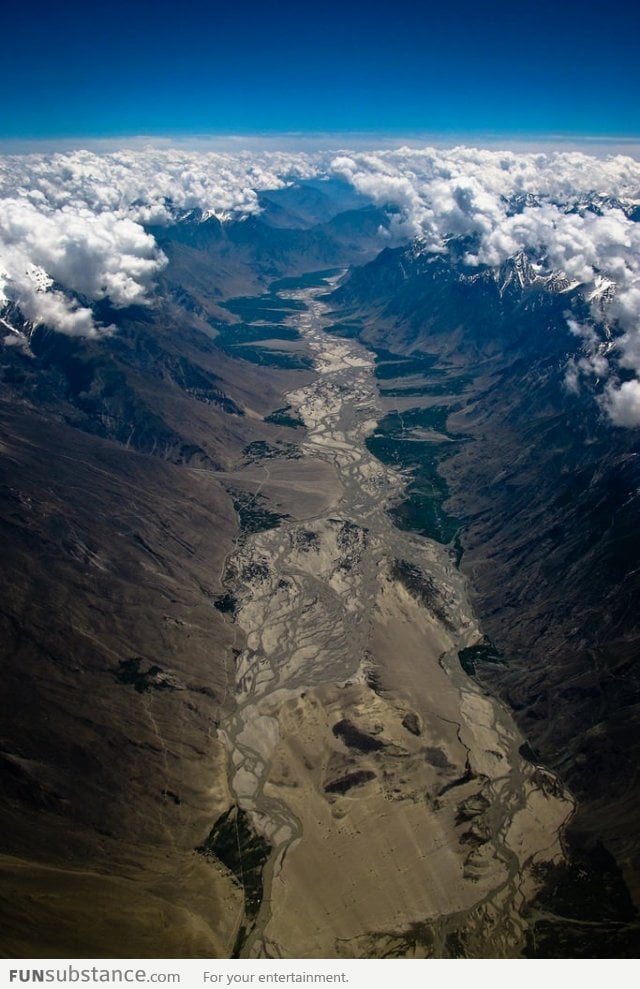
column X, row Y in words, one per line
column 388, row 793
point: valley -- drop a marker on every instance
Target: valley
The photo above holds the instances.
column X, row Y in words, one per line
column 318, row 610
column 400, row 816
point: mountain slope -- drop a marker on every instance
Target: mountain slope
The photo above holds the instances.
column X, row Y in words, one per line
column 546, row 493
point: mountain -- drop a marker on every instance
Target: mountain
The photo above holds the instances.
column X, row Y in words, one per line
column 223, row 259
column 123, row 459
column 307, row 204
column 303, row 561
column 545, row 494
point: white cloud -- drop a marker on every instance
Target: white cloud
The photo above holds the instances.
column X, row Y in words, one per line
column 622, row 403
column 537, row 202
column 75, row 222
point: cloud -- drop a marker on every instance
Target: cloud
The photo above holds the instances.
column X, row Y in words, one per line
column 570, row 210
column 144, row 184
column 96, row 256
column 622, row 403
column 74, row 223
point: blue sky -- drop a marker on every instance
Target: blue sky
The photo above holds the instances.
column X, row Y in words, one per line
column 127, row 68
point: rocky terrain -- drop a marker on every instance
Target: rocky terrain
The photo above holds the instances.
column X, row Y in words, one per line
column 318, row 621
column 539, row 492
column 396, row 811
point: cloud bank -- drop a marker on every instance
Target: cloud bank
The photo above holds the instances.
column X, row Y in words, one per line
column 571, row 211
column 72, row 227
column 75, row 222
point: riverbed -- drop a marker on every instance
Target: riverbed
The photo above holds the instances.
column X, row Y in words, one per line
column 402, row 818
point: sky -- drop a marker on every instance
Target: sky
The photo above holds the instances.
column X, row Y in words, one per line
column 130, row 67
column 439, row 113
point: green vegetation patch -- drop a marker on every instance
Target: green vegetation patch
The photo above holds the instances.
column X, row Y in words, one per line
column 226, row 604
column 268, row 357
column 422, row 510
column 261, row 450
column 348, row 329
column 402, row 424
column 312, row 279
column 484, row 652
column 282, row 417
column 233, row 842
column 270, row 308
column 422, row 513
column 233, row 334
column 252, row 514
column 390, row 365
column 451, row 386
column 384, row 356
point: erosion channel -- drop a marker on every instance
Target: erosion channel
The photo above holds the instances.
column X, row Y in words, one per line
column 381, row 799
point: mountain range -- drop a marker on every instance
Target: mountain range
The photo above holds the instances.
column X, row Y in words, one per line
column 136, row 463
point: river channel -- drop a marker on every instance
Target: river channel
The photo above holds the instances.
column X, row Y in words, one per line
column 349, row 629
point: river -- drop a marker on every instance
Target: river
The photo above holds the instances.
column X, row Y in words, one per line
column 349, row 630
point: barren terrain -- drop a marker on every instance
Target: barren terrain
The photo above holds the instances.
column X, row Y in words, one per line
column 401, row 816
